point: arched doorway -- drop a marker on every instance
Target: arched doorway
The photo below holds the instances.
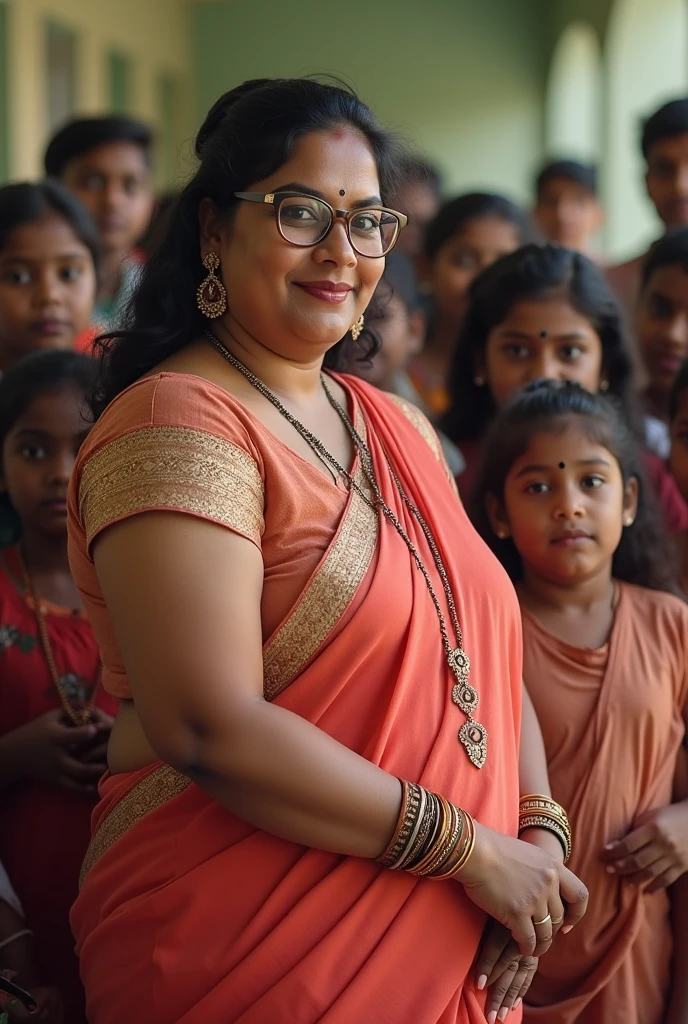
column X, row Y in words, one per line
column 574, row 100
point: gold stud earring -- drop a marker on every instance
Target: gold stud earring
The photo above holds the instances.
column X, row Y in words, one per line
column 604, row 386
column 629, row 520
column 502, row 534
column 479, row 381
column 357, row 328
column 211, row 295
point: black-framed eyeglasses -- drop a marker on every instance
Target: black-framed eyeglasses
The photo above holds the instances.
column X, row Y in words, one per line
column 306, row 220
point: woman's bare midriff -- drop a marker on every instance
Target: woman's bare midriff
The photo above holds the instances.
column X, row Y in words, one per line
column 128, row 749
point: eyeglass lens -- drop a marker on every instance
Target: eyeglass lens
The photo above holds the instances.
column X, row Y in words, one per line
column 306, row 221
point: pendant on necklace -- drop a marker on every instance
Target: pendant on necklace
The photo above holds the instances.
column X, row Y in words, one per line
column 472, row 734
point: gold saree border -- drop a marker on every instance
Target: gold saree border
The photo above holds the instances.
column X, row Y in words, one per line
column 426, row 430
column 328, row 594
column 161, row 785
column 172, row 468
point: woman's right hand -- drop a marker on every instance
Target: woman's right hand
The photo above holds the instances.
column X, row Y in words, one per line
column 49, row 751
column 519, row 885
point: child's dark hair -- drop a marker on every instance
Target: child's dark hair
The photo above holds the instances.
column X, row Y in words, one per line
column 670, row 251
column 680, row 385
column 666, row 123
column 26, row 202
column 37, row 374
column 574, row 171
column 456, row 213
column 83, row 134
column 417, row 170
column 533, row 272
column 643, row 556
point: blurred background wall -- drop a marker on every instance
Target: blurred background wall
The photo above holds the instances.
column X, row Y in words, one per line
column 486, row 87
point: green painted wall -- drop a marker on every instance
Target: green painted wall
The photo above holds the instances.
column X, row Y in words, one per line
column 464, row 79
column 119, row 82
column 4, row 94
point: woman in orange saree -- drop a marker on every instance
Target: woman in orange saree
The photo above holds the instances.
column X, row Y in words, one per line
column 275, row 644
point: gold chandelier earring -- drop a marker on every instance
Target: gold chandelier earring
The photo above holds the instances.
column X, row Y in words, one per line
column 211, row 295
column 357, row 328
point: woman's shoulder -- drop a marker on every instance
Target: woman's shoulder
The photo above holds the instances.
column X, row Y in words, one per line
column 171, row 405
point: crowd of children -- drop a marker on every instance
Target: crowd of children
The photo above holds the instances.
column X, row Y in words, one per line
column 559, row 389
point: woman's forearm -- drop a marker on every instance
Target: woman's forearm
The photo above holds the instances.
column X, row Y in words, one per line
column 288, row 777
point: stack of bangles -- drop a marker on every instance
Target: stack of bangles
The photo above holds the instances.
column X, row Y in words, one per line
column 433, row 838
column 536, row 811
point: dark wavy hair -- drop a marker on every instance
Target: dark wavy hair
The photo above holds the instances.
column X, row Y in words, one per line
column 39, row 373
column 248, row 134
column 534, row 271
column 643, row 556
column 455, row 213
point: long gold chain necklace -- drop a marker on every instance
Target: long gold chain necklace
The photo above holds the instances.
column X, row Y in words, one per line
column 77, row 716
column 472, row 734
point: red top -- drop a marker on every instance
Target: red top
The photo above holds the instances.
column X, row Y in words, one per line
column 673, row 506
column 45, row 828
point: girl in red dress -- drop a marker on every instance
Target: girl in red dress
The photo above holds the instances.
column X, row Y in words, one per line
column 54, row 718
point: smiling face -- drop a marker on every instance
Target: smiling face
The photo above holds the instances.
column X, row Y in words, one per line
column 540, row 338
column 564, row 505
column 47, row 288
column 298, row 301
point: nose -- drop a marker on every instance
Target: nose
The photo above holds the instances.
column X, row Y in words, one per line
column 568, row 503
column 682, row 181
column 544, row 366
column 336, row 247
column 60, row 468
column 48, row 289
column 678, row 330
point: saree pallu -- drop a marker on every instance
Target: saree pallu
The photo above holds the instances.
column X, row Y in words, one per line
column 612, row 721
column 189, row 914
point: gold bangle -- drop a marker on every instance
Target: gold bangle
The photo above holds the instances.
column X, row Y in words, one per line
column 466, row 853
column 410, row 802
column 443, row 829
column 455, row 821
column 540, row 821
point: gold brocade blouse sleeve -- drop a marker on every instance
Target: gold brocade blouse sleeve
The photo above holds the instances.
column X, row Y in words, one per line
column 157, row 468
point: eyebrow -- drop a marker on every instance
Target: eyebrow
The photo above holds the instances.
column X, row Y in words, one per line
column 9, row 260
column 544, row 468
column 295, row 186
column 525, row 335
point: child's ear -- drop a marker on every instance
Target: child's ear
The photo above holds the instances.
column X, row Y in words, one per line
column 497, row 516
column 630, row 501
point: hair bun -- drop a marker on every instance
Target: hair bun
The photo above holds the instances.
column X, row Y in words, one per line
column 219, row 109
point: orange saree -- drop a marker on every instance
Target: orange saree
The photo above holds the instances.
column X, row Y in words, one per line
column 188, row 914
column 612, row 724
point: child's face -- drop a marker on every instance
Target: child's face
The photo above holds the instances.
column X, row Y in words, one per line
column 401, row 338
column 568, row 213
column 38, row 456
column 47, row 288
column 566, row 523
column 662, row 327
column 477, row 245
column 114, row 183
column 540, row 338
column 667, row 179
column 678, row 457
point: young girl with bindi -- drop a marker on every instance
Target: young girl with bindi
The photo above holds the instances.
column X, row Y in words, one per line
column 561, row 500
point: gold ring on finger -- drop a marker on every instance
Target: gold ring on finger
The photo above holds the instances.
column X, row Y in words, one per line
column 545, row 920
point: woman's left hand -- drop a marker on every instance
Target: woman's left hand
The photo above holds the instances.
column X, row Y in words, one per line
column 656, row 851
column 501, row 968
column 96, row 753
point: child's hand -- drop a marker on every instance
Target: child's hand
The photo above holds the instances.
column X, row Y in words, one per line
column 49, row 752
column 656, row 851
column 502, row 969
column 48, row 1008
